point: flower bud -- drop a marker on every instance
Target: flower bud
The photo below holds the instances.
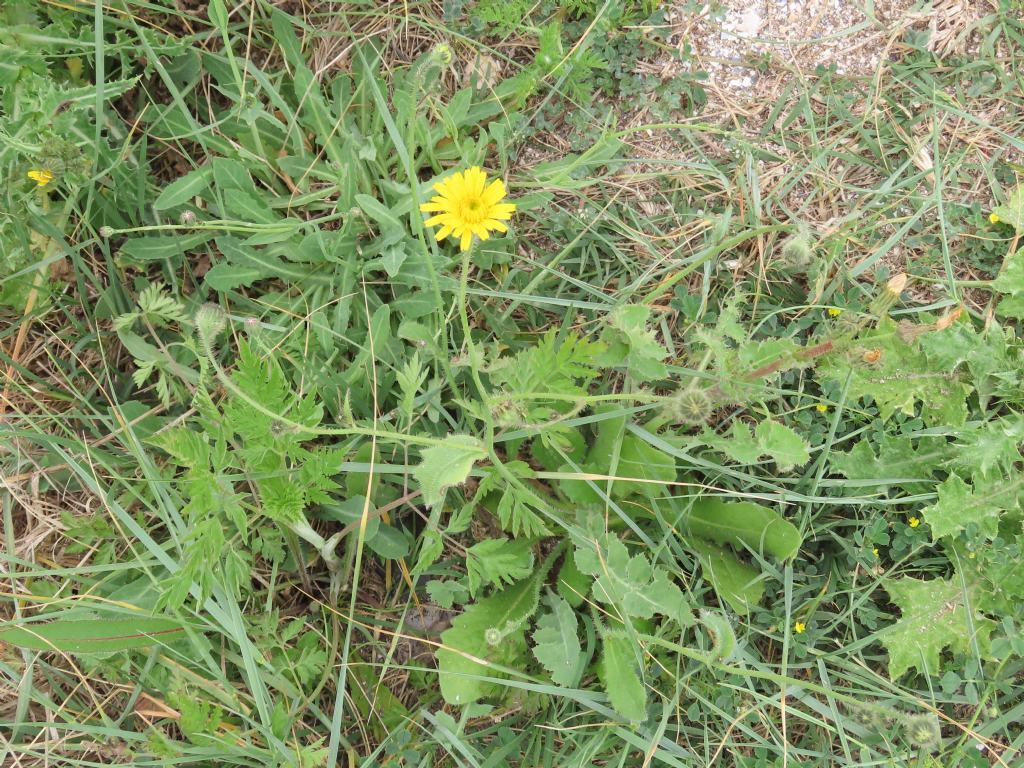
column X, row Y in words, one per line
column 889, row 295
column 210, row 321
column 691, row 405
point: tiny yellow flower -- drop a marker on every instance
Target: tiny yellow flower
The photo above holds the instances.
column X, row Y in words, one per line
column 874, row 551
column 799, row 627
column 834, row 311
column 994, row 218
column 913, row 522
column 972, row 555
column 821, row 408
column 466, row 205
column 41, row 176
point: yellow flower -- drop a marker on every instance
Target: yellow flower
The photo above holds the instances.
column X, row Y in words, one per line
column 821, row 408
column 913, row 522
column 994, row 218
column 834, row 311
column 799, row 627
column 41, row 176
column 874, row 551
column 466, row 205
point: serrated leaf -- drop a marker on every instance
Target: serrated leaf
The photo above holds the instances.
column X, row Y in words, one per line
column 446, row 465
column 739, row 445
column 557, row 646
column 622, row 682
column 897, row 461
column 630, row 343
column 959, row 506
column 743, row 524
column 631, row 583
column 186, row 447
column 994, row 445
column 776, row 441
column 497, row 562
column 180, row 191
column 933, row 618
column 897, row 375
column 784, row 446
column 487, row 633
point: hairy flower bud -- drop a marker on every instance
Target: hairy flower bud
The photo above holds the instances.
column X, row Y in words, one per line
column 691, row 405
column 210, row 321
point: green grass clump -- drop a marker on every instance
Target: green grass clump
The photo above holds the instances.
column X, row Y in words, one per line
column 713, row 458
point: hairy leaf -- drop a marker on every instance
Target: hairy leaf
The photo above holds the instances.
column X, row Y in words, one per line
column 622, row 682
column 934, row 617
column 447, row 464
column 497, row 562
column 490, row 632
column 557, row 644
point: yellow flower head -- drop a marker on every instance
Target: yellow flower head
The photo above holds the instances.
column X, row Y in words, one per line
column 834, row 311
column 466, row 205
column 914, row 522
column 821, row 408
column 799, row 627
column 874, row 551
column 41, row 176
column 994, row 218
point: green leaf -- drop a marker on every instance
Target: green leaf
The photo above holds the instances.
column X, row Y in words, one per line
column 492, row 633
column 379, row 213
column 498, row 562
column 243, row 265
column 392, row 259
column 557, row 644
column 994, row 445
column 630, row 343
column 1010, row 281
column 734, row 581
column 185, row 446
column 180, row 191
column 900, row 377
column 934, row 617
column 897, row 461
column 162, row 247
column 776, row 441
column 573, row 584
column 635, row 587
column 959, row 506
column 1012, row 211
column 785, row 447
column 641, row 461
column 92, row 635
column 743, row 524
column 446, row 465
column 739, row 445
column 618, row 673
